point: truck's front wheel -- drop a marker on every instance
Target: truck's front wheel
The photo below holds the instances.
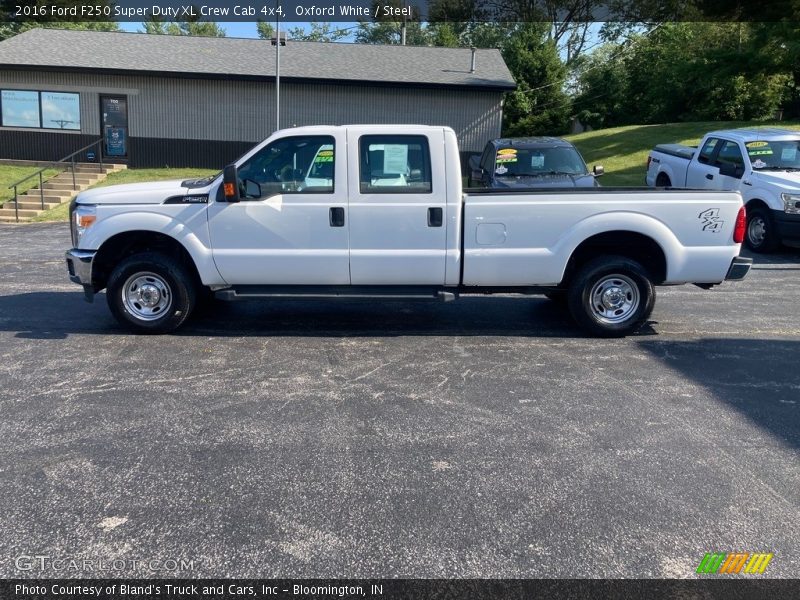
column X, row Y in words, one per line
column 150, row 293
column 761, row 233
column 611, row 296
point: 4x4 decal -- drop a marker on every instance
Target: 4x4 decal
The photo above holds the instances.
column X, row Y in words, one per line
column 711, row 221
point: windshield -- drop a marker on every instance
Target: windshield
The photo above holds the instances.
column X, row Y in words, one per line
column 784, row 155
column 533, row 162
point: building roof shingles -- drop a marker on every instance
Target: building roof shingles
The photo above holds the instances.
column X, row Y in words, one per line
column 253, row 59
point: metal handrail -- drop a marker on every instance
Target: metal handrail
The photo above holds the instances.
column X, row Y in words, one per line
column 69, row 157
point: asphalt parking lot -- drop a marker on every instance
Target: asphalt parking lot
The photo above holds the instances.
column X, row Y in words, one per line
column 483, row 438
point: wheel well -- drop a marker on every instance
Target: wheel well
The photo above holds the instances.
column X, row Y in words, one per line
column 636, row 246
column 122, row 245
column 664, row 180
column 756, row 203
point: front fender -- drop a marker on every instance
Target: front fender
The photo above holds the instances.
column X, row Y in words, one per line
column 188, row 226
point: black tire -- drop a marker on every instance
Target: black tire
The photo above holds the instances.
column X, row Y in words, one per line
column 620, row 281
column 663, row 180
column 148, row 279
column 761, row 234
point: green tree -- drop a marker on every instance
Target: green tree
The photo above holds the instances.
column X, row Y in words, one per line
column 192, row 26
column 539, row 105
column 319, row 32
column 265, row 30
column 9, row 29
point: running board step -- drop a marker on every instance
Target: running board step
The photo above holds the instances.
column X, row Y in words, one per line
column 316, row 292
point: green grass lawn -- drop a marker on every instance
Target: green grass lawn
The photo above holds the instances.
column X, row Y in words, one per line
column 61, row 212
column 623, row 150
column 11, row 174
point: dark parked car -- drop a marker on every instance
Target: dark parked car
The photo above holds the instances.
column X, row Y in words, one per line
column 531, row 162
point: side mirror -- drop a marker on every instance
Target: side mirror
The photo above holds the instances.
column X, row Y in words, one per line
column 477, row 175
column 230, row 184
column 598, row 170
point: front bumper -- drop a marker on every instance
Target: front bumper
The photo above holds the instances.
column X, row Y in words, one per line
column 79, row 266
column 740, row 267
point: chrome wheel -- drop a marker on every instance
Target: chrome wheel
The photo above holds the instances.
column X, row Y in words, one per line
column 146, row 296
column 614, row 299
column 757, row 230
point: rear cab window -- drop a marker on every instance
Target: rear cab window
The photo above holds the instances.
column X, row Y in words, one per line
column 394, row 164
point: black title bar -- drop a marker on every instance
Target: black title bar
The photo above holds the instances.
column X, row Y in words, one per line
column 54, row 11
column 711, row 588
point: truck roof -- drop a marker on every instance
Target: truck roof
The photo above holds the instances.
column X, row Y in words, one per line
column 364, row 128
column 759, row 133
column 531, row 142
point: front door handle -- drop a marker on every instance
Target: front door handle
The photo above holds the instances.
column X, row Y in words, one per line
column 336, row 216
column 434, row 217
column 709, row 176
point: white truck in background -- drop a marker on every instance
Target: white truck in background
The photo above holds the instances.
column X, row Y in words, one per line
column 377, row 211
column 763, row 164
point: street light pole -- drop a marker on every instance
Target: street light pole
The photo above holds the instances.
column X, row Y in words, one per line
column 277, row 73
column 278, row 41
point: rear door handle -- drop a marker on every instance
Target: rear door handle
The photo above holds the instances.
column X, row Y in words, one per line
column 709, row 176
column 336, row 216
column 434, row 217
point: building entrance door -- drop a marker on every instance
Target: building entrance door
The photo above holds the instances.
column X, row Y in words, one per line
column 114, row 126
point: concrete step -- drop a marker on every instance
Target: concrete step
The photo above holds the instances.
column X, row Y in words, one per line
column 65, row 187
column 23, row 212
column 49, row 196
column 34, row 203
column 95, row 169
column 67, row 178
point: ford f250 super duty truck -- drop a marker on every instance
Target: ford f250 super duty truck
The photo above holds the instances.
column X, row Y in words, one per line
column 763, row 164
column 373, row 211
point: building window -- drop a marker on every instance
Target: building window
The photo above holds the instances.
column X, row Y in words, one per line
column 395, row 164
column 61, row 110
column 40, row 110
column 20, row 108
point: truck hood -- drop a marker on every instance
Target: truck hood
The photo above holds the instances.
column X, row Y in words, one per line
column 136, row 193
column 545, row 181
column 785, row 180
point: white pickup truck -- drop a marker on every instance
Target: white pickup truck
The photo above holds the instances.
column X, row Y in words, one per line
column 377, row 211
column 763, row 164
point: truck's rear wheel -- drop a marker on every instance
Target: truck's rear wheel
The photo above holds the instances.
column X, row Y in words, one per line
column 762, row 236
column 611, row 296
column 150, row 293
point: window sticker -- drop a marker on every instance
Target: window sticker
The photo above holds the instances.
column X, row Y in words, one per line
column 324, row 156
column 789, row 153
column 537, row 161
column 501, row 170
column 506, row 155
column 759, row 164
column 756, row 144
column 765, row 152
column 395, row 158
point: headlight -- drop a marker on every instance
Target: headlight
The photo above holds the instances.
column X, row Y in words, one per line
column 791, row 203
column 83, row 217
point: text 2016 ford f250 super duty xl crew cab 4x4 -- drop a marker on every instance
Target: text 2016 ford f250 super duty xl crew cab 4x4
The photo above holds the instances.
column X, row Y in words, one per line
column 763, row 164
column 377, row 211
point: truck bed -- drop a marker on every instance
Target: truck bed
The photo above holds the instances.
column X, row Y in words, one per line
column 678, row 150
